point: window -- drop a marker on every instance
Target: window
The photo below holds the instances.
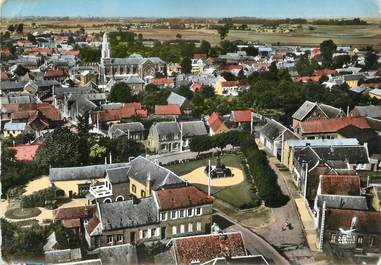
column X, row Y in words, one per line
column 182, row 213
column 190, row 212
column 182, row 229
column 109, row 239
column 360, row 240
column 155, row 232
column 198, row 211
column 190, row 227
column 198, row 226
column 145, row 233
column 174, row 230
column 372, row 241
column 173, row 214
column 333, row 238
column 142, row 193
column 119, row 238
column 163, row 216
column 133, row 187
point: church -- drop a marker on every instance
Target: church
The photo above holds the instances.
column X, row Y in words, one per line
column 124, row 68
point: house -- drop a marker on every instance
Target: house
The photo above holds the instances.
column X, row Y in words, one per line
column 352, row 80
column 339, row 192
column 25, row 152
column 242, row 118
column 163, row 82
column 313, row 110
column 233, row 69
column 372, row 111
column 216, row 125
column 347, row 233
column 196, row 87
column 329, row 128
column 73, row 217
column 77, row 180
column 313, row 161
column 164, row 137
column 56, row 74
column 136, row 179
column 189, row 129
column 184, row 103
column 56, row 251
column 135, row 83
column 133, row 130
column 205, row 248
column 375, row 93
column 170, row 110
column 198, row 65
column 230, row 88
column 272, row 136
column 161, row 216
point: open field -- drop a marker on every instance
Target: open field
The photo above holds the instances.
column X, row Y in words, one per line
column 357, row 36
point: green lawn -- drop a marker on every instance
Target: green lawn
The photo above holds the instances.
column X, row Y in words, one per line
column 240, row 196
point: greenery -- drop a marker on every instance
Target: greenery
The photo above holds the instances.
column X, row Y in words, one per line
column 264, row 177
column 327, row 49
column 21, row 213
column 121, row 92
column 89, row 54
column 42, row 198
column 223, row 31
column 186, row 65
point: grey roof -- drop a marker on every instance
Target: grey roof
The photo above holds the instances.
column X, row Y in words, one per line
column 78, row 173
column 176, row 99
column 273, row 129
column 83, row 104
column 119, row 129
column 21, row 99
column 353, row 77
column 118, row 175
column 376, row 91
column 143, row 169
column 322, row 142
column 54, row 256
column 373, row 111
column 134, row 59
column 343, row 202
column 308, row 106
column 193, row 128
column 14, row 126
column 132, row 79
column 125, row 214
column 51, row 242
column 84, row 262
column 167, row 128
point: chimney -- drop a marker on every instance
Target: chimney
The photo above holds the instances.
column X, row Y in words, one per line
column 148, row 183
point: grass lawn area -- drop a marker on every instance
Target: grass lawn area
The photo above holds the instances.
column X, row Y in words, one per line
column 240, row 196
column 18, row 213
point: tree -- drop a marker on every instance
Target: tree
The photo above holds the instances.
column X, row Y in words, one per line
column 200, row 143
column 151, row 88
column 273, row 68
column 71, row 40
column 31, row 38
column 251, row 51
column 122, row 148
column 327, row 49
column 90, row 55
column 121, row 92
column 223, row 31
column 83, row 128
column 60, row 149
column 140, row 38
column 186, row 65
column 371, row 60
column 178, row 36
column 205, row 47
column 19, row 28
column 11, row 28
column 185, row 92
column 228, row 76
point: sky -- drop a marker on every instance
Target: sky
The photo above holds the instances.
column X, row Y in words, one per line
column 193, row 8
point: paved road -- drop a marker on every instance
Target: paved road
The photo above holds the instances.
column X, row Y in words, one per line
column 254, row 243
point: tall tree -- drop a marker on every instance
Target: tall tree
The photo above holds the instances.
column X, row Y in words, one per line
column 223, row 31
column 327, row 49
column 121, row 92
column 186, row 65
column 83, row 128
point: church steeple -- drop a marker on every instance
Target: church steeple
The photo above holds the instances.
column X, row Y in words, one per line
column 106, row 53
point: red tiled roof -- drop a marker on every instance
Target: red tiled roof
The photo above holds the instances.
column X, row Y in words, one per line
column 315, row 52
column 200, row 56
column 93, row 223
column 368, row 222
column 72, row 223
column 170, row 109
column 89, row 38
column 333, row 125
column 325, row 72
column 128, row 110
column 215, row 122
column 197, row 87
column 230, row 67
column 4, row 76
column 25, row 111
column 207, row 247
column 162, row 81
column 5, row 50
column 56, row 73
column 340, row 184
column 39, row 50
column 74, row 212
column 72, row 52
column 313, row 78
column 183, row 197
column 230, row 83
column 26, row 152
column 242, row 115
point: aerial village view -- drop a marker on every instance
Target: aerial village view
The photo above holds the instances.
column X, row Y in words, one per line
column 187, row 132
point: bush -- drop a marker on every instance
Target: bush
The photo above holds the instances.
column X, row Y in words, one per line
column 41, row 198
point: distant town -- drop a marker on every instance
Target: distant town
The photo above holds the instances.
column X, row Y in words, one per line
column 190, row 141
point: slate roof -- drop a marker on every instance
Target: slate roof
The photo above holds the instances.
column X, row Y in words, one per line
column 176, row 99
column 373, row 111
column 193, row 128
column 167, row 128
column 322, row 142
column 118, row 175
column 78, row 173
column 15, row 126
column 333, row 125
column 368, row 222
column 308, row 106
column 125, row 214
column 119, row 129
column 343, row 202
column 132, row 79
column 273, row 129
column 375, row 91
column 182, row 197
column 142, row 169
column 13, row 85
column 207, row 247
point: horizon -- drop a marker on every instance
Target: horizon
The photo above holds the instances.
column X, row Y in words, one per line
column 272, row 9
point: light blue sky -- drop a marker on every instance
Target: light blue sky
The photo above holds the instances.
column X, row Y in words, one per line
column 193, row 8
